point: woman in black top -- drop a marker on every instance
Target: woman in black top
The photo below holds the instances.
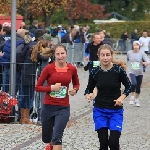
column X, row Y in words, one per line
column 108, row 104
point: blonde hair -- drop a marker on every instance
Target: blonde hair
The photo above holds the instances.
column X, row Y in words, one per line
column 27, row 38
column 106, row 46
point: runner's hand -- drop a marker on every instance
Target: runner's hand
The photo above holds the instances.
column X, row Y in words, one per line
column 72, row 92
column 87, row 58
column 144, row 63
column 89, row 97
column 118, row 102
column 56, row 87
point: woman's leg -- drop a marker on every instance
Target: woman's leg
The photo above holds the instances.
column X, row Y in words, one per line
column 47, row 119
column 133, row 87
column 101, row 120
column 60, row 123
column 114, row 139
column 103, row 138
column 138, row 89
column 115, row 127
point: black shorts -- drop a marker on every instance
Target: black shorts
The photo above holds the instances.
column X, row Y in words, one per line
column 54, row 120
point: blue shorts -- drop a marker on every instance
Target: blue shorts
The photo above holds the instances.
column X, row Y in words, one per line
column 110, row 118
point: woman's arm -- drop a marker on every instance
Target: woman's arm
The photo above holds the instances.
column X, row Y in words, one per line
column 146, row 59
column 43, row 76
column 125, row 81
column 75, row 80
column 91, row 84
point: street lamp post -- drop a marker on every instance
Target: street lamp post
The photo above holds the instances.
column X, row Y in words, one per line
column 13, row 52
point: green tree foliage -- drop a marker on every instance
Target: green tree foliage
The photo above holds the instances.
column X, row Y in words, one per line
column 132, row 9
column 59, row 17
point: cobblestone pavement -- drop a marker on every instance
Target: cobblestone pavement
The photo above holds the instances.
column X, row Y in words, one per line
column 80, row 134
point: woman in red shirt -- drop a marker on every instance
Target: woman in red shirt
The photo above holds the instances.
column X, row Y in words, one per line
column 56, row 108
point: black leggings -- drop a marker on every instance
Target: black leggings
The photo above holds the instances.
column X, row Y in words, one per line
column 136, row 82
column 112, row 141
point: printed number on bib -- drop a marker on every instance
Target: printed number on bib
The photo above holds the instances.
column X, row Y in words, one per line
column 59, row 94
column 135, row 65
column 96, row 63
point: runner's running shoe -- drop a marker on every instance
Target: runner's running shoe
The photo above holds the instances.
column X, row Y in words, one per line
column 137, row 103
column 49, row 147
column 131, row 102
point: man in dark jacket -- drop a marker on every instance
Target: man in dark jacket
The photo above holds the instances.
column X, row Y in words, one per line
column 123, row 40
column 67, row 37
column 33, row 27
column 134, row 37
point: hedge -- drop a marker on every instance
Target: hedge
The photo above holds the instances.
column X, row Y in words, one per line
column 116, row 29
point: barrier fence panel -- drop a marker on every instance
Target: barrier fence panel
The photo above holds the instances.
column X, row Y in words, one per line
column 78, row 52
column 69, row 48
column 75, row 52
column 26, row 77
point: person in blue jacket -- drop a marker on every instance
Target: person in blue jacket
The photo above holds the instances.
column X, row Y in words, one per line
column 5, row 59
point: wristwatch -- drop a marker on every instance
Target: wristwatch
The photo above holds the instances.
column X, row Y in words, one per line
column 76, row 90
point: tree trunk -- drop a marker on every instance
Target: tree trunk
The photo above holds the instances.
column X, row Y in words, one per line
column 47, row 20
column 31, row 19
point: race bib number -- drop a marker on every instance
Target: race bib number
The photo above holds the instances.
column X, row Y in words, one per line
column 59, row 94
column 96, row 63
column 135, row 65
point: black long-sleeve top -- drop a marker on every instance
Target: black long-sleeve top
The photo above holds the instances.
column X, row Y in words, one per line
column 92, row 51
column 108, row 84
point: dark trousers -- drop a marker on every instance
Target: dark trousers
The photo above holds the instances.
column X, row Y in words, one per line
column 54, row 120
column 25, row 98
column 136, row 82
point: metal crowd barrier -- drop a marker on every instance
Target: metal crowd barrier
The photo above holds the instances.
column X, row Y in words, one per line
column 122, row 46
column 26, row 77
column 75, row 52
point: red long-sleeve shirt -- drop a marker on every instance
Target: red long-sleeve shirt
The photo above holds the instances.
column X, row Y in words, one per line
column 55, row 75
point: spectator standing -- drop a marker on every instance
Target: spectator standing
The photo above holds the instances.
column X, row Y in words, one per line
column 28, row 77
column 33, row 27
column 22, row 25
column 123, row 41
column 67, row 37
column 134, row 36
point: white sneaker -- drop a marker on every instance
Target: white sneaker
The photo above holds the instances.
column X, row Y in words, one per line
column 131, row 102
column 137, row 103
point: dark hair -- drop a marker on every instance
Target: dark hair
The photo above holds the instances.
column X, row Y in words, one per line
column 144, row 30
column 39, row 33
column 47, row 31
column 1, row 27
column 100, row 30
column 7, row 30
column 60, row 45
